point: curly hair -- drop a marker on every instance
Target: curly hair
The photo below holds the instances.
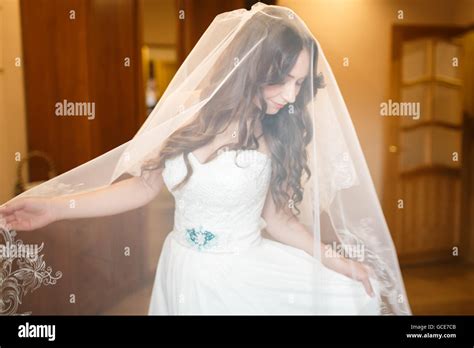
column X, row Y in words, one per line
column 287, row 133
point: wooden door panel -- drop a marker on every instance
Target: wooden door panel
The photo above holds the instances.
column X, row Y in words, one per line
column 423, row 192
column 78, row 50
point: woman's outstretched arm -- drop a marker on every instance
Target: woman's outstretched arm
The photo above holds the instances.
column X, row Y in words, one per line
column 29, row 213
column 117, row 198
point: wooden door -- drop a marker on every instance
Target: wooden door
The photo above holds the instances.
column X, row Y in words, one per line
column 80, row 51
column 84, row 51
column 423, row 180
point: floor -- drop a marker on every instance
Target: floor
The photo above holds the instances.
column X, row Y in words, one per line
column 135, row 304
column 440, row 289
column 432, row 290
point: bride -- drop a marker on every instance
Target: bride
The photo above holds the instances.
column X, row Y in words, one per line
column 248, row 152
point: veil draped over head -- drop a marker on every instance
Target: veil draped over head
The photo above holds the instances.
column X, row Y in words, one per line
column 90, row 264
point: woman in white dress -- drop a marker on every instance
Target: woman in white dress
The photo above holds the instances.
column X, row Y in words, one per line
column 238, row 165
column 215, row 259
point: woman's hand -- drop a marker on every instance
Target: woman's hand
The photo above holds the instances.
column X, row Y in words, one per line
column 360, row 272
column 26, row 214
column 352, row 269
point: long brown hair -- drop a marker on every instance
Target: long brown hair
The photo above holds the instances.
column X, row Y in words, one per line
column 287, row 133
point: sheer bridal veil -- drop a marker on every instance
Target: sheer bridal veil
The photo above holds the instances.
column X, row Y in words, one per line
column 318, row 171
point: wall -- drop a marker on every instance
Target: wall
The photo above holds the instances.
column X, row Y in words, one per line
column 159, row 22
column 12, row 109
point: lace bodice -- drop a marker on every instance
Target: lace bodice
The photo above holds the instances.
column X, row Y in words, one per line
column 219, row 208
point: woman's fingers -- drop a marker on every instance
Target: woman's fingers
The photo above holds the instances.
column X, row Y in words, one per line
column 11, row 207
column 370, row 270
column 3, row 210
column 6, row 215
column 12, row 225
column 17, row 225
column 368, row 287
column 10, row 218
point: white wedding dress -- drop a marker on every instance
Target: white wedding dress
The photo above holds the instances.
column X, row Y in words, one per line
column 215, row 260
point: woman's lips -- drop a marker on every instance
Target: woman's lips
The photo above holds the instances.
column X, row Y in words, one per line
column 279, row 106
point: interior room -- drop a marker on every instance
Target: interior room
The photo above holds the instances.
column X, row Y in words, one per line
column 122, row 55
